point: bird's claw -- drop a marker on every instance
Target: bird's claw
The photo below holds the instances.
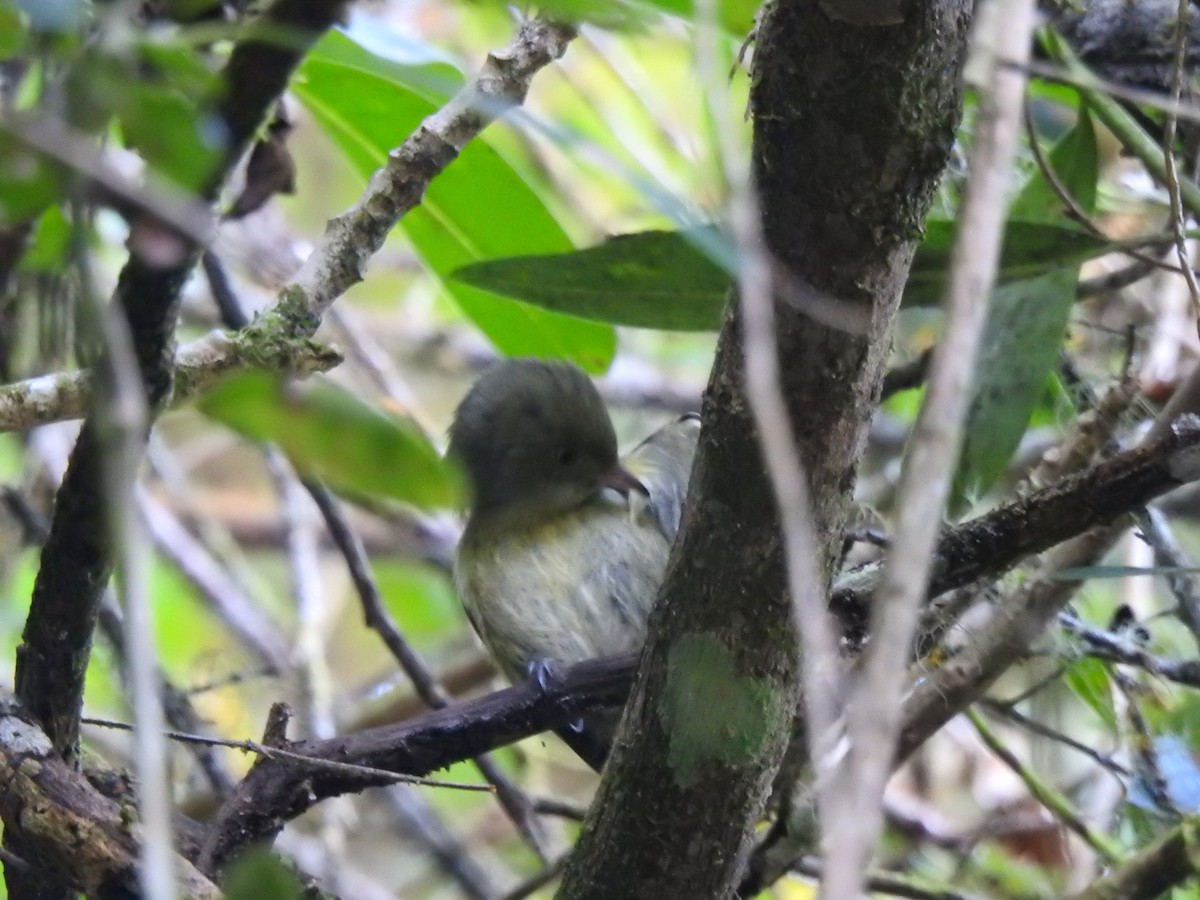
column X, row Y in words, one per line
column 543, row 672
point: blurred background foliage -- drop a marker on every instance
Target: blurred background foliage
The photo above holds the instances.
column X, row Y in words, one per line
column 584, row 226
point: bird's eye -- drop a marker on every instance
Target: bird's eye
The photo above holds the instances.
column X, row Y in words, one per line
column 566, row 456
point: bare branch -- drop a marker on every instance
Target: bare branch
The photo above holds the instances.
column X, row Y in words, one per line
column 278, row 789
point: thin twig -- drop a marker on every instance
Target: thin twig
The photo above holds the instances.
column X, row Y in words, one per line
column 515, row 804
column 538, row 881
column 1103, row 760
column 1077, row 212
column 1156, row 531
column 315, row 762
column 417, row 816
column 1174, row 191
column 1051, row 800
column 1115, row 648
column 890, row 883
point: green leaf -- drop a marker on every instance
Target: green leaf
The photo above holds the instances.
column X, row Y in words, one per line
column 736, row 16
column 153, row 92
column 170, row 133
column 328, row 433
column 1021, row 341
column 1030, row 250
column 13, row 28
column 1076, row 164
column 1089, row 680
column 664, row 279
column 478, row 208
column 257, row 875
column 49, row 244
column 1026, row 325
column 29, row 182
column 655, row 279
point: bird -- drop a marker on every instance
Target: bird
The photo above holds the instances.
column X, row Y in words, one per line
column 565, row 543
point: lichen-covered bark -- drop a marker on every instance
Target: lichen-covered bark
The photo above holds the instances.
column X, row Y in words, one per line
column 853, row 125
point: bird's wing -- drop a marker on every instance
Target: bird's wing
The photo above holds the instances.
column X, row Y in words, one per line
column 663, row 463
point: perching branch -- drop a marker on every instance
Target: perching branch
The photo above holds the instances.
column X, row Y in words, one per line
column 1169, row 861
column 993, row 543
column 279, row 789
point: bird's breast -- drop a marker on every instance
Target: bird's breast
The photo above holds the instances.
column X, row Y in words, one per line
column 572, row 589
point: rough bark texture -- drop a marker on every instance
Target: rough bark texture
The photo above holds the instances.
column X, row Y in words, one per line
column 75, row 838
column 853, row 124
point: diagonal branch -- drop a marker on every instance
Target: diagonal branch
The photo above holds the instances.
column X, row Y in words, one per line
column 995, row 542
column 279, row 789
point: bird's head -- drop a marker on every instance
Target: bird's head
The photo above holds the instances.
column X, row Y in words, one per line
column 535, row 441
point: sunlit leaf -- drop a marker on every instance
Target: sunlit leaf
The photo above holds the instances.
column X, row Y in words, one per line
column 13, row 27
column 737, row 16
column 329, row 433
column 28, row 182
column 1089, row 680
column 478, row 208
column 49, row 243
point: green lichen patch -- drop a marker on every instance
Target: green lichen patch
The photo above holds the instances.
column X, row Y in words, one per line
column 711, row 713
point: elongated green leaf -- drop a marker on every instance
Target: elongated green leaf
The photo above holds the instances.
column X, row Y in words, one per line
column 13, row 28
column 29, row 183
column 661, row 279
column 656, row 279
column 478, row 208
column 329, row 433
column 1030, row 250
column 1026, row 326
column 1076, row 166
column 737, row 16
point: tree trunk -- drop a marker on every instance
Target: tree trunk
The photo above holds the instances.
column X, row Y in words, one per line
column 855, row 106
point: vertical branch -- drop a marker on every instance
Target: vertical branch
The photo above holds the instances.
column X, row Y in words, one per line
column 122, row 411
column 873, row 711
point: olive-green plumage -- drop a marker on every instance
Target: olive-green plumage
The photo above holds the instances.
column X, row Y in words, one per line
column 565, row 544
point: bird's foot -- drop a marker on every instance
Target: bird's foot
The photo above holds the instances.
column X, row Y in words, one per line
column 544, row 673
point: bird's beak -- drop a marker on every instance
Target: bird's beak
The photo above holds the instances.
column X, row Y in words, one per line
column 623, row 482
